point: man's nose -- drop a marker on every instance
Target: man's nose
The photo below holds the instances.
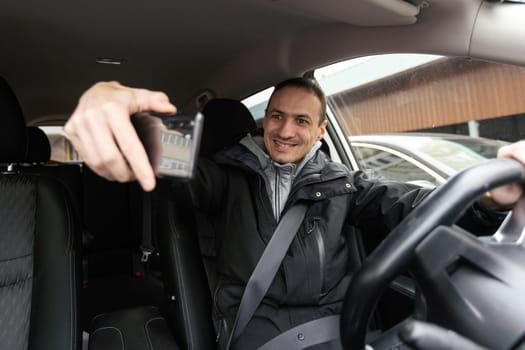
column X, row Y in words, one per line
column 286, row 128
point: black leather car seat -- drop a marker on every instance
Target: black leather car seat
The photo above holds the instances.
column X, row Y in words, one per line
column 188, row 266
column 38, row 260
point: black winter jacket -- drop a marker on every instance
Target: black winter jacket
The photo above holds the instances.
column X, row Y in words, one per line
column 315, row 273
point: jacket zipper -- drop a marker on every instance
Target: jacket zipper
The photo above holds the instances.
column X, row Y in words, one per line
column 322, row 256
column 264, row 199
column 321, row 249
column 276, row 196
column 220, row 316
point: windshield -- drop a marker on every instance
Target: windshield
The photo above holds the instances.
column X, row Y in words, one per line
column 444, row 151
column 456, row 153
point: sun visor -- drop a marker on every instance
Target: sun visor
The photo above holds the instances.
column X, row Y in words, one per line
column 356, row 12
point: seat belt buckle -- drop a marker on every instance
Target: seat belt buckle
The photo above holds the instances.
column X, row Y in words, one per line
column 146, row 252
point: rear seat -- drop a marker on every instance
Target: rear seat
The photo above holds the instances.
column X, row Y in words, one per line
column 112, row 214
column 37, row 162
column 38, row 250
column 184, row 275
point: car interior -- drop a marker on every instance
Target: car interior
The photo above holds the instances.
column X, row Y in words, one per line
column 88, row 263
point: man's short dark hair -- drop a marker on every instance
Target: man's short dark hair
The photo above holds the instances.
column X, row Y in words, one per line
column 306, row 84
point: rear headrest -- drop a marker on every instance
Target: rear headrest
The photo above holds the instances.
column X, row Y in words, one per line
column 19, row 144
column 226, row 121
column 38, row 148
column 13, row 141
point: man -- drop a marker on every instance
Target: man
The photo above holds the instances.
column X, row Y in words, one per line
column 249, row 186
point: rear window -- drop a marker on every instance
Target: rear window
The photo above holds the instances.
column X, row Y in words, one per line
column 61, row 149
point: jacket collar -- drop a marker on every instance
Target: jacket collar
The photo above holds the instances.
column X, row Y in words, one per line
column 255, row 144
column 316, row 166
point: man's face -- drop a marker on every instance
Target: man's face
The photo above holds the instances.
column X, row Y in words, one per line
column 291, row 124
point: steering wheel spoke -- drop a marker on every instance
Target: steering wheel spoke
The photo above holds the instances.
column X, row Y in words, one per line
column 512, row 230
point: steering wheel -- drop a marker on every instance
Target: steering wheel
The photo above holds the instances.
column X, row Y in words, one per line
column 394, row 255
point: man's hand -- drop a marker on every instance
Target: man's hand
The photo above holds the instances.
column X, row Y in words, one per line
column 504, row 197
column 100, row 129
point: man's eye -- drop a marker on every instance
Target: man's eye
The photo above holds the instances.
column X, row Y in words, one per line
column 301, row 121
column 276, row 116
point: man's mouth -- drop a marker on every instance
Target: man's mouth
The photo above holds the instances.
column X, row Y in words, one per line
column 284, row 144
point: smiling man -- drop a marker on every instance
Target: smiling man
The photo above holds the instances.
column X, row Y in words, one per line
column 245, row 189
column 294, row 120
column 293, row 126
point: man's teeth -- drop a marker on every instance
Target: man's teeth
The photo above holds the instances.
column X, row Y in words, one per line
column 284, row 144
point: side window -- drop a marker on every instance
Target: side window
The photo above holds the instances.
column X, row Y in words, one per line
column 383, row 164
column 446, row 112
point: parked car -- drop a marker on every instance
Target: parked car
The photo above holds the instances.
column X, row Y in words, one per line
column 389, row 66
column 420, row 157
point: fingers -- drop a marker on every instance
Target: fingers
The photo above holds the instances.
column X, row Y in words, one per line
column 504, row 197
column 89, row 132
column 133, row 151
column 515, row 150
column 100, row 129
column 145, row 100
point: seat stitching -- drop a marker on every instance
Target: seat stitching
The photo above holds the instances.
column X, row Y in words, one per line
column 111, row 327
column 17, row 258
column 20, row 281
column 150, row 344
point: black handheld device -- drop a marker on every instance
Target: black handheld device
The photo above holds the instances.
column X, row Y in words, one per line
column 171, row 141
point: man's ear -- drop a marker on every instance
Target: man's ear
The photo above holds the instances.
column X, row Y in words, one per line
column 322, row 128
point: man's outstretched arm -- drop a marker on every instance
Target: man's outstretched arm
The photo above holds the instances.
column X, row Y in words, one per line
column 101, row 131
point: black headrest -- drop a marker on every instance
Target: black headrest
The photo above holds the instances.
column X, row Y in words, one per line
column 13, row 141
column 38, row 148
column 225, row 122
column 19, row 144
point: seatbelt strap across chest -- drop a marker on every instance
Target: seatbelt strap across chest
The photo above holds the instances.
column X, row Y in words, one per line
column 266, row 268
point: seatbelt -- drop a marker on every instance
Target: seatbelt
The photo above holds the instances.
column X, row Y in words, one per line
column 266, row 269
column 146, row 246
column 306, row 334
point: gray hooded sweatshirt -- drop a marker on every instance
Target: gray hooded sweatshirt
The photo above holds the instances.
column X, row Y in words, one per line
column 278, row 177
